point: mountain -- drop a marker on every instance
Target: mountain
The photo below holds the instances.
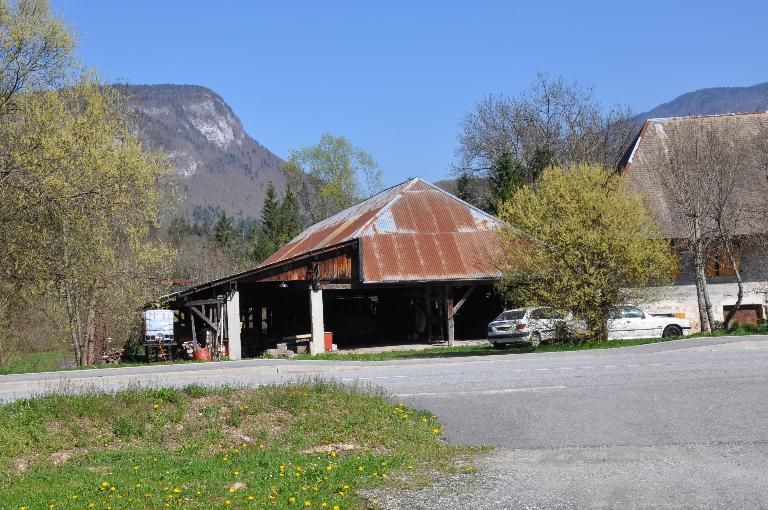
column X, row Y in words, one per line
column 218, row 166
column 713, row 101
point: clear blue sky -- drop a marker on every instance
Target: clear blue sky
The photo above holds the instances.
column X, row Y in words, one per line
column 397, row 77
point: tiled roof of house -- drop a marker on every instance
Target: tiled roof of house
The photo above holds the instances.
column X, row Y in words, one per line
column 646, row 160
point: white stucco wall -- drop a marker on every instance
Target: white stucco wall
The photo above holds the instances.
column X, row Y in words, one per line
column 682, row 299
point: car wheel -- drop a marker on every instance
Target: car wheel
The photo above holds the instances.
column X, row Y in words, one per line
column 535, row 339
column 671, row 331
column 500, row 346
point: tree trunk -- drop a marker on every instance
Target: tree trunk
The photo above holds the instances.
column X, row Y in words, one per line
column 707, row 301
column 728, row 322
column 699, row 267
column 597, row 327
column 71, row 314
column 90, row 330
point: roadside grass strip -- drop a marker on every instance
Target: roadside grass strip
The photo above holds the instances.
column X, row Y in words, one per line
column 312, row 445
column 488, row 350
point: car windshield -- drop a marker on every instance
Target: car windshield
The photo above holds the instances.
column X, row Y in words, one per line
column 631, row 312
column 546, row 313
column 511, row 315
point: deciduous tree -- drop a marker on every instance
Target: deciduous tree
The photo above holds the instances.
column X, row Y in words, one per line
column 554, row 122
column 580, row 240
column 331, row 176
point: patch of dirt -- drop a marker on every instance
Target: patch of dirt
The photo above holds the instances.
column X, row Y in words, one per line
column 19, row 466
column 66, row 363
column 99, row 470
column 59, row 458
column 337, row 447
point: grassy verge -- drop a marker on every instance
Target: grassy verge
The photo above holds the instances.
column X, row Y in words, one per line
column 737, row 330
column 478, row 350
column 304, row 446
column 36, row 362
column 487, row 350
column 50, row 362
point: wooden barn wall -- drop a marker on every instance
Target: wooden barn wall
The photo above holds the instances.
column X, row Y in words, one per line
column 335, row 266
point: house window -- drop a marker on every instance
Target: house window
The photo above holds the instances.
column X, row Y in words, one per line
column 718, row 263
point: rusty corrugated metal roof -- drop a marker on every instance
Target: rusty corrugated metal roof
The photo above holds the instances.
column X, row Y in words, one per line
column 411, row 232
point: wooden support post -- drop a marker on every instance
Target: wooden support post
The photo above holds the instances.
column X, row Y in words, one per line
column 205, row 319
column 449, row 314
column 317, row 343
column 463, row 299
column 194, row 334
column 233, row 325
column 428, row 311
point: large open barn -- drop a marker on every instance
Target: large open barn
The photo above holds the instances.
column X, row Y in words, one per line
column 412, row 263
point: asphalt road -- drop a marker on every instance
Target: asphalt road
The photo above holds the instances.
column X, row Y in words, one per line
column 681, row 424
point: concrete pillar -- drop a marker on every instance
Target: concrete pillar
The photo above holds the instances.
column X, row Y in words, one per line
column 449, row 314
column 233, row 325
column 317, row 344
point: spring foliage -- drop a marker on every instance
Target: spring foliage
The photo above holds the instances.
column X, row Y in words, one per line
column 580, row 240
column 79, row 197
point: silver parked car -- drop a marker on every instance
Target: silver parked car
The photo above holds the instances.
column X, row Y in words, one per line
column 524, row 326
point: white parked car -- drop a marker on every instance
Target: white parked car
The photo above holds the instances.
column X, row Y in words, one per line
column 632, row 322
column 523, row 326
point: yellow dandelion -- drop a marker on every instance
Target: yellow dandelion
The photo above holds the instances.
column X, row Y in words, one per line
column 176, row 490
column 291, row 500
column 436, row 431
column 156, row 406
column 250, row 498
column 228, row 502
column 307, row 503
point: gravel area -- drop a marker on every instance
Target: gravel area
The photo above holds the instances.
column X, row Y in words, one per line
column 625, row 477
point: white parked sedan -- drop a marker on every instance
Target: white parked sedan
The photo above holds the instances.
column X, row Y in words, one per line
column 632, row 322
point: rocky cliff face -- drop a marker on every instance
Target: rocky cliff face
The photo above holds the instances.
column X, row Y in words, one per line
column 218, row 166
